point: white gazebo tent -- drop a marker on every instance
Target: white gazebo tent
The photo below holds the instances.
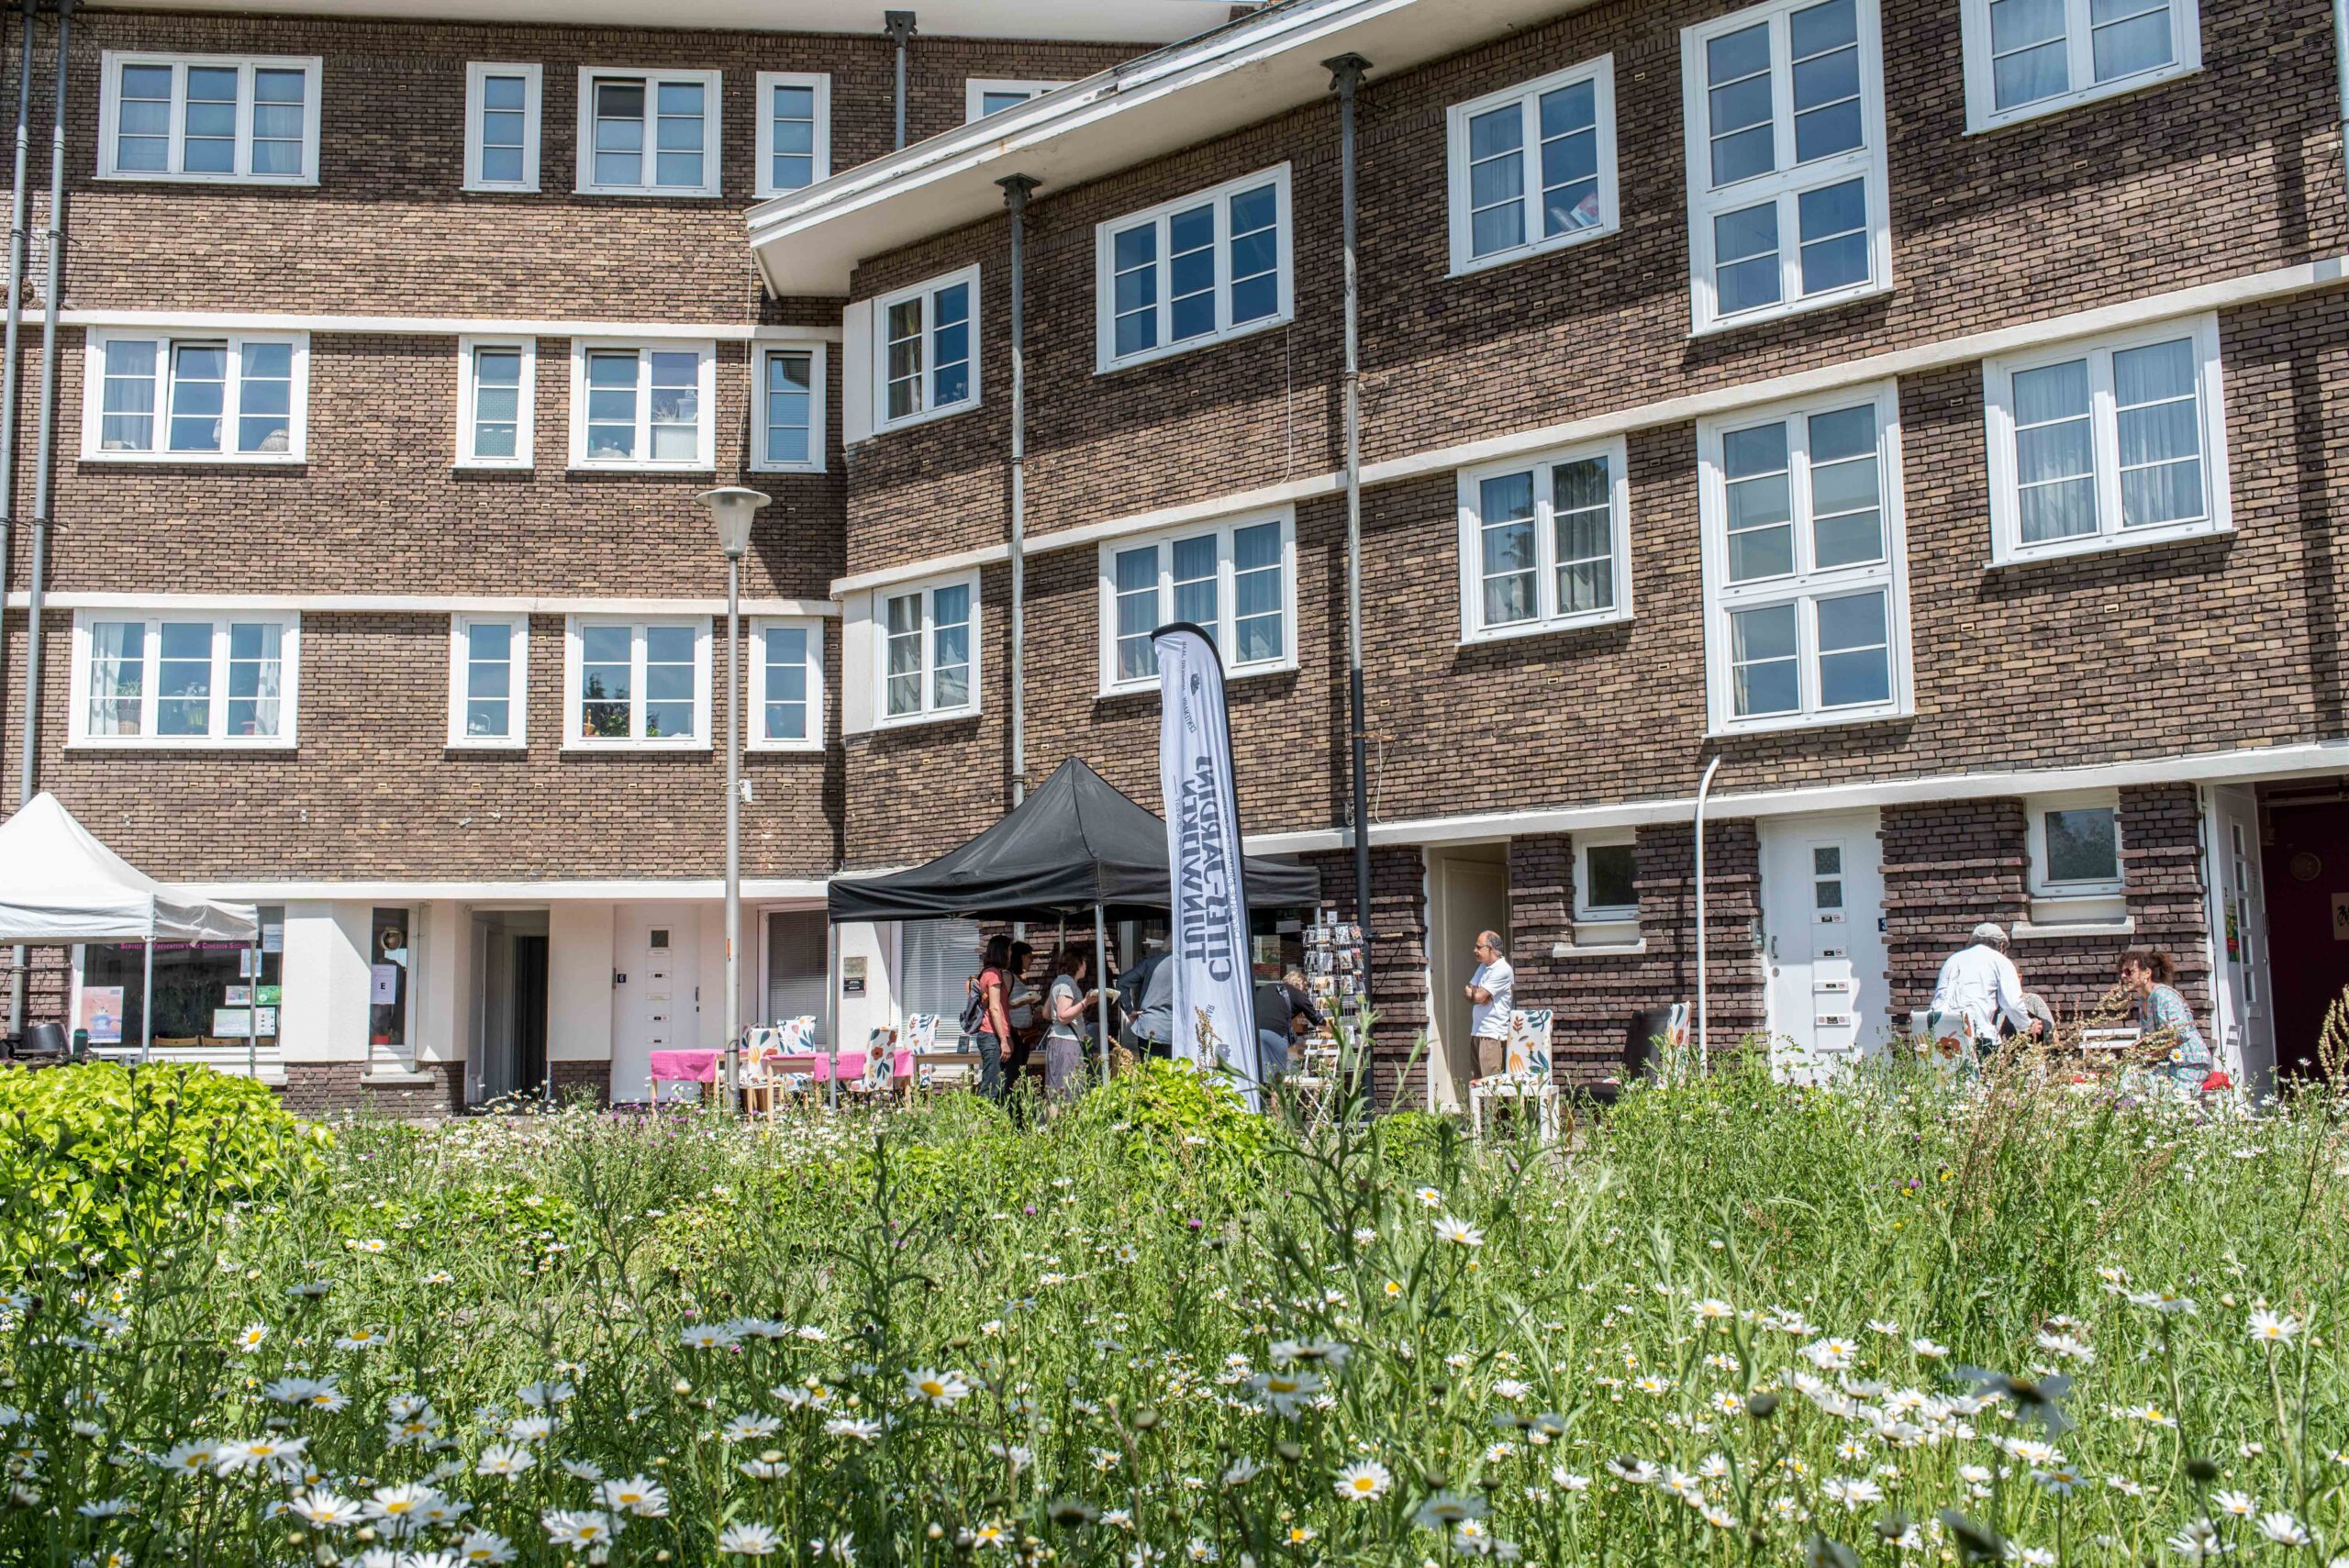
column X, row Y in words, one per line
column 59, row 885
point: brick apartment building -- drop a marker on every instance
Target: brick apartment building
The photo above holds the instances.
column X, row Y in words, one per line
column 1923, row 407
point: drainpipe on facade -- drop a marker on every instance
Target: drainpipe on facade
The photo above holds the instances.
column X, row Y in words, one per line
column 18, row 957
column 1345, row 77
column 28, row 780
column 1704, row 788
column 1016, row 188
column 900, row 25
column 2341, row 66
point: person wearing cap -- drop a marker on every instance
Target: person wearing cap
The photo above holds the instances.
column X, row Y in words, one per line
column 1979, row 983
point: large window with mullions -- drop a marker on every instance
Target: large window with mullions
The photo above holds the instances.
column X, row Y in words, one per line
column 1806, row 606
column 637, row 684
column 216, row 118
column 1211, row 266
column 1236, row 579
column 1788, row 208
column 925, row 351
column 1532, row 167
column 647, row 133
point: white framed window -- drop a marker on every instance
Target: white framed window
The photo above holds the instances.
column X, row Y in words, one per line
column 787, row 408
column 201, row 397
column 1533, row 168
column 1545, row 543
column 1806, row 598
column 184, row 679
column 496, row 388
column 2099, row 445
column 489, row 680
column 794, row 136
column 642, row 406
column 647, row 133
column 1607, row 888
column 501, row 127
column 1198, row 271
column 786, row 684
column 925, row 351
column 2075, row 845
column 636, row 684
column 395, row 946
column 1787, row 209
column 985, row 95
column 2028, row 58
column 928, row 640
column 238, row 119
column 1235, row 579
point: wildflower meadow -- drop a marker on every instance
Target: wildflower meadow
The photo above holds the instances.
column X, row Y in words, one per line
column 1733, row 1320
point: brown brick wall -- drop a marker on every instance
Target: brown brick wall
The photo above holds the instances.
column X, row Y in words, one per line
column 571, row 1077
column 373, row 789
column 387, row 228
column 2098, row 204
column 316, row 1090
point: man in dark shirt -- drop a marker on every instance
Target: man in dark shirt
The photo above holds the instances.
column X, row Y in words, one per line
column 1285, row 1010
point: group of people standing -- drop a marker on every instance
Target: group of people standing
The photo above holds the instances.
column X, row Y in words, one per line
column 1980, row 984
column 1009, row 1020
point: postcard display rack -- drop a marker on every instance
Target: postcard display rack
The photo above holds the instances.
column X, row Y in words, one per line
column 1333, row 964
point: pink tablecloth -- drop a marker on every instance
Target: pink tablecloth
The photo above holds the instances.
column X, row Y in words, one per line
column 851, row 1065
column 684, row 1066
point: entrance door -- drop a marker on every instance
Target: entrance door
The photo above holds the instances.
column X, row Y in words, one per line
column 1471, row 892
column 2246, row 1043
column 1822, row 901
column 656, row 1004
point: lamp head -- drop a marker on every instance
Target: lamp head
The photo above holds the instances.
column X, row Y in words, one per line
column 731, row 509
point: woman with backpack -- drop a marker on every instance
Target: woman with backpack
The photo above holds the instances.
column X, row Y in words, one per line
column 987, row 1011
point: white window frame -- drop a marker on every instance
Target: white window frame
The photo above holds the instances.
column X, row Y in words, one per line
column 573, row 703
column 215, row 738
column 397, row 1055
column 1546, row 617
column 821, row 83
column 94, row 377
column 2007, row 544
column 2042, row 885
column 1623, row 917
column 1105, row 314
column 477, row 74
column 1981, row 95
column 1787, row 181
column 819, row 373
column 518, row 683
column 704, row 460
column 976, row 88
column 757, row 739
column 110, row 115
column 712, row 141
column 1600, row 72
column 1226, row 600
column 1804, row 585
column 926, row 713
column 525, row 421
column 926, row 291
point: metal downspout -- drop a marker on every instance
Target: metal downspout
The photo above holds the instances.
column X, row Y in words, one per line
column 20, row 956
column 1345, row 78
column 1704, row 788
column 2340, row 67
column 1016, row 188
column 29, row 777
column 900, row 27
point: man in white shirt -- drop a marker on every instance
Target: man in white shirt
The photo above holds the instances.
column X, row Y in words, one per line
column 1491, row 990
column 1979, row 983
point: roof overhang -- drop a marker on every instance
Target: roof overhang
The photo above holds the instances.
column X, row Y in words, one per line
column 1072, row 21
column 809, row 242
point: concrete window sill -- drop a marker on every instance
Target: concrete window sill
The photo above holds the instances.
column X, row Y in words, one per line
column 1599, row 950
column 392, row 1078
column 2025, row 931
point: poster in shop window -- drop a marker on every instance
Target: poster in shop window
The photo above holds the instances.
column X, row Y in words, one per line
column 1215, row 1018
column 101, row 1014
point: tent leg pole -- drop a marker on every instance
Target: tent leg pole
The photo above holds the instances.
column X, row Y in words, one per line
column 832, row 1043
column 1101, row 985
column 252, row 1008
column 147, row 1005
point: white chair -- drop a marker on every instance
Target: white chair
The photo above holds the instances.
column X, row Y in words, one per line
column 1945, row 1041
column 1525, row 1075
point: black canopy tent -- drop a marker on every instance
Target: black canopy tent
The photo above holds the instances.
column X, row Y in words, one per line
column 1076, row 845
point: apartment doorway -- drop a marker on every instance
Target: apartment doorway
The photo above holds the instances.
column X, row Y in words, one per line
column 2243, row 1015
column 1467, row 892
column 656, row 1002
column 2304, row 859
column 1822, row 900
column 508, row 1054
